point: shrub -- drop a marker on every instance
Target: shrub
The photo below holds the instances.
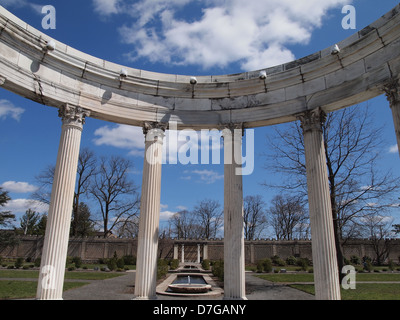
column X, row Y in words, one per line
column 77, row 261
column 129, row 260
column 162, row 268
column 291, row 261
column 391, row 265
column 69, row 260
column 278, row 261
column 368, row 266
column 267, row 265
column 218, row 269
column 355, row 260
column 174, row 264
column 37, row 262
column 120, row 263
column 112, row 264
column 205, row 264
column 303, row 263
column 260, row 266
column 19, row 263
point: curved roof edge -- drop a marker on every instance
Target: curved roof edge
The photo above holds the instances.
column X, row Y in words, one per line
column 367, row 61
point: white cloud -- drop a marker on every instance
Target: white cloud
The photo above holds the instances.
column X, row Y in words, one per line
column 208, row 176
column 7, row 109
column 254, row 33
column 18, row 187
column 179, row 146
column 106, row 7
column 22, row 3
column 21, row 205
column 394, row 149
column 121, row 136
column 181, row 208
column 165, row 215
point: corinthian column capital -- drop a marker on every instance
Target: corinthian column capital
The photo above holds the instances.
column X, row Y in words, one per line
column 312, row 119
column 148, row 126
column 73, row 115
column 392, row 91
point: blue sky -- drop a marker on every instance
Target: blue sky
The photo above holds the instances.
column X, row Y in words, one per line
column 190, row 37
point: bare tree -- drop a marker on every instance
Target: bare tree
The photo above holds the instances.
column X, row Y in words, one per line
column 115, row 194
column 183, row 225
column 129, row 228
column 287, row 216
column 209, row 216
column 86, row 170
column 352, row 146
column 45, row 181
column 378, row 229
column 254, row 217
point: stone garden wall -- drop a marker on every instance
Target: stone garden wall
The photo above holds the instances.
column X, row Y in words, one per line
column 92, row 249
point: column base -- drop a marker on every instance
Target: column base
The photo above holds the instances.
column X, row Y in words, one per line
column 145, row 298
column 226, row 298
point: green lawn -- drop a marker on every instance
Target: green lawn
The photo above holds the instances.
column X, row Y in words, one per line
column 77, row 275
column 309, row 277
column 14, row 289
column 363, row 291
column 17, row 289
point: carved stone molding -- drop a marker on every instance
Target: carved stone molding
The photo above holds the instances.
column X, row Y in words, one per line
column 312, row 119
column 154, row 125
column 229, row 128
column 73, row 115
column 391, row 90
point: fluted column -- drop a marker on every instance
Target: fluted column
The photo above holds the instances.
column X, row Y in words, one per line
column 55, row 247
column 393, row 95
column 146, row 267
column 326, row 275
column 234, row 272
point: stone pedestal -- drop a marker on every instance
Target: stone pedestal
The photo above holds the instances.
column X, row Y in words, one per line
column 146, row 268
column 55, row 247
column 326, row 275
column 234, row 255
column 393, row 96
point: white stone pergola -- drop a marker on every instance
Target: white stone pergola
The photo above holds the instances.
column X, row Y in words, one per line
column 52, row 73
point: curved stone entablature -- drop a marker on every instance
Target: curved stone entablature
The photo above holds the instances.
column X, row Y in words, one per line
column 367, row 61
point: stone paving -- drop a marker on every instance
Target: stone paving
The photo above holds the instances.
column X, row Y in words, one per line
column 122, row 288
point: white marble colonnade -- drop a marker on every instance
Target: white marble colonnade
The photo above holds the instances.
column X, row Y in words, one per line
column 55, row 247
column 234, row 255
column 146, row 266
column 393, row 95
column 326, row 274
